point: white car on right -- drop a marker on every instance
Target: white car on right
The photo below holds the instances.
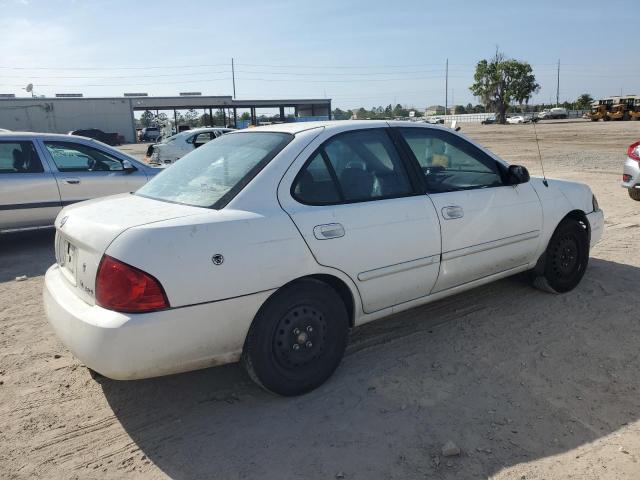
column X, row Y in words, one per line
column 631, row 171
column 177, row 146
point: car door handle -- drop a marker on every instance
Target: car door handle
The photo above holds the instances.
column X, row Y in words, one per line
column 328, row 231
column 72, row 181
column 451, row 212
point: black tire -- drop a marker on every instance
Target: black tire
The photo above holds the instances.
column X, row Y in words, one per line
column 634, row 193
column 565, row 259
column 297, row 339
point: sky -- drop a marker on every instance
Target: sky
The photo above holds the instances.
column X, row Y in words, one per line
column 358, row 53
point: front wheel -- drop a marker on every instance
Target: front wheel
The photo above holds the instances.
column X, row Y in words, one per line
column 634, row 193
column 297, row 339
column 565, row 259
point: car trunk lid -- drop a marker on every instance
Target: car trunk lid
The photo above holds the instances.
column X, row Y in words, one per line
column 85, row 230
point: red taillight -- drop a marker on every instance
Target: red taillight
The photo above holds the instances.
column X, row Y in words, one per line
column 633, row 152
column 124, row 288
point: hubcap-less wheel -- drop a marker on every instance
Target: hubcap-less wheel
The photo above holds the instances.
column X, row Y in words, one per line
column 297, row 339
column 565, row 259
column 565, row 256
column 300, row 337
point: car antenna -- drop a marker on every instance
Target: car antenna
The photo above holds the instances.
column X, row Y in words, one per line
column 544, row 177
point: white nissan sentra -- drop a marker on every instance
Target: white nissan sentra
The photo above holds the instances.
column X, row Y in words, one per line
column 268, row 245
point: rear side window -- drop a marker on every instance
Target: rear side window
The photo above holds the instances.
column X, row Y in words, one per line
column 356, row 166
column 75, row 157
column 19, row 157
column 213, row 174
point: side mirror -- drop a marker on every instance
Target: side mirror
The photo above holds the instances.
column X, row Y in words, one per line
column 517, row 174
column 128, row 167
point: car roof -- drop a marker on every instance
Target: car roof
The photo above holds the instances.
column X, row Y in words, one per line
column 51, row 136
column 339, row 125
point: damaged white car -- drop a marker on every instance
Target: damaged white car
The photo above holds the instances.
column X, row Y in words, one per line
column 268, row 245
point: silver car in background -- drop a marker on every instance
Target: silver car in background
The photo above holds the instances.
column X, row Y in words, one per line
column 631, row 171
column 40, row 173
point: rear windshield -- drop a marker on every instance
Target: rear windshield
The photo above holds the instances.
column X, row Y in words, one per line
column 213, row 174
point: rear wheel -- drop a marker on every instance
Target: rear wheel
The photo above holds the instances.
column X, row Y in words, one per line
column 565, row 259
column 297, row 339
column 634, row 193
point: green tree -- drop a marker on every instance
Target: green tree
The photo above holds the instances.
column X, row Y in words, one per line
column 146, row 119
column 362, row 114
column 459, row 110
column 584, row 102
column 339, row 114
column 499, row 81
column 245, row 116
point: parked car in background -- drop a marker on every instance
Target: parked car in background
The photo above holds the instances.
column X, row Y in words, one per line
column 150, row 134
column 41, row 173
column 108, row 138
column 268, row 244
column 553, row 113
column 177, row 146
column 489, row 120
column 518, row 119
column 631, row 171
column 434, row 120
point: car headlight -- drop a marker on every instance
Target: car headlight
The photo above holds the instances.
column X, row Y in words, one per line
column 594, row 201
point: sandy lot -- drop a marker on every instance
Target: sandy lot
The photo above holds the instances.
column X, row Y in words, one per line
column 528, row 385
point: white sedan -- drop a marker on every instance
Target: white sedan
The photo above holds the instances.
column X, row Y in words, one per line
column 268, row 245
column 518, row 119
column 177, row 146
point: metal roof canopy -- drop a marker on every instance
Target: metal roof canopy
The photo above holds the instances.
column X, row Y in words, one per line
column 170, row 103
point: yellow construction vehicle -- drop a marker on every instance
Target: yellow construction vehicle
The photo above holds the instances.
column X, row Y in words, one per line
column 620, row 109
column 634, row 111
column 598, row 112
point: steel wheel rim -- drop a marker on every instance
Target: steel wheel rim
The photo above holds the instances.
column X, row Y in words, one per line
column 566, row 257
column 300, row 337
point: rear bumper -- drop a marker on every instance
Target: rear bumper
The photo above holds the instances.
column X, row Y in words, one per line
column 131, row 346
column 631, row 168
column 596, row 225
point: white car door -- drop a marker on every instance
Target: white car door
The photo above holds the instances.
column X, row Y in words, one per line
column 487, row 226
column 85, row 172
column 29, row 195
column 360, row 211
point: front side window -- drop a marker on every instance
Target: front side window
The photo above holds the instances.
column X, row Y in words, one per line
column 19, row 157
column 75, row 157
column 355, row 166
column 449, row 162
column 211, row 175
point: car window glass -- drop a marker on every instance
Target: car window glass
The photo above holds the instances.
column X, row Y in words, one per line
column 211, row 175
column 73, row 157
column 449, row 162
column 315, row 185
column 19, row 157
column 203, row 138
column 365, row 165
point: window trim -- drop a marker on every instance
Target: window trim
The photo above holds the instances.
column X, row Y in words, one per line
column 475, row 153
column 320, row 150
column 35, row 151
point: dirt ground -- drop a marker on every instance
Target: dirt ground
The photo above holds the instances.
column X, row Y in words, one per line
column 528, row 385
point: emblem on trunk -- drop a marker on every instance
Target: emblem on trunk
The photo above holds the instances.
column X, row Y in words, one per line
column 217, row 259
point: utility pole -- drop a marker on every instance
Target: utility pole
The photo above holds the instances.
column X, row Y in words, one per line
column 233, row 77
column 558, row 86
column 446, row 88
